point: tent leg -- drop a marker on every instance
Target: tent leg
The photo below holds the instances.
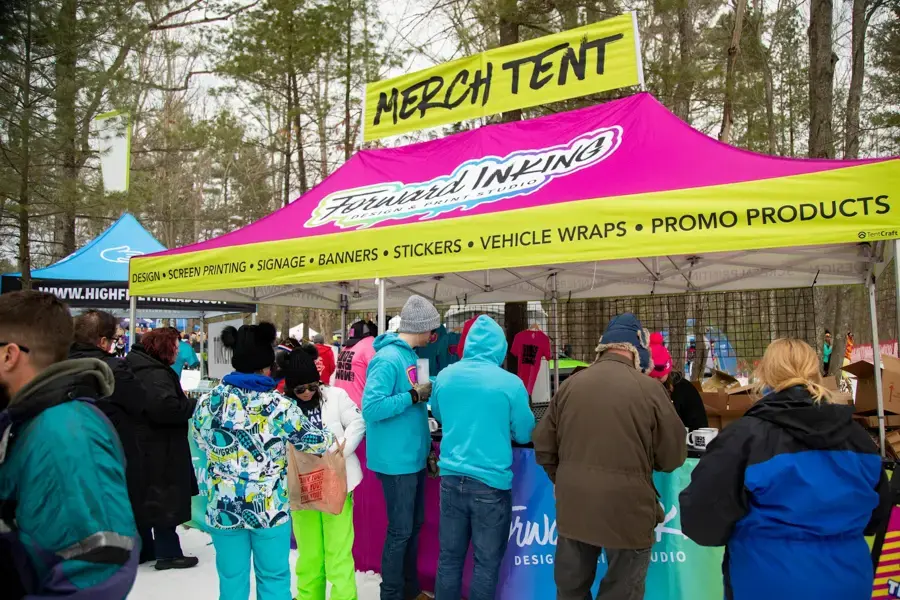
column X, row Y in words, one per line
column 345, row 305
column 202, row 346
column 556, row 353
column 876, row 358
column 897, row 292
column 132, row 321
column 382, row 318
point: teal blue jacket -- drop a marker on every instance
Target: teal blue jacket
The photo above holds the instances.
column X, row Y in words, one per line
column 398, row 438
column 62, row 477
column 186, row 357
column 483, row 409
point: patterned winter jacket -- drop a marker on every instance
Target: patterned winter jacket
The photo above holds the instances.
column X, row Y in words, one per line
column 242, row 427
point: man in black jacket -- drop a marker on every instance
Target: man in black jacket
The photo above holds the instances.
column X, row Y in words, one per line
column 95, row 333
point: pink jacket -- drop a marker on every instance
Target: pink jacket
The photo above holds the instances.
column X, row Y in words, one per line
column 352, row 365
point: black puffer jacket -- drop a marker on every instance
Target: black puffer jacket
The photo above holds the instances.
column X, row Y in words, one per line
column 167, row 455
column 125, row 408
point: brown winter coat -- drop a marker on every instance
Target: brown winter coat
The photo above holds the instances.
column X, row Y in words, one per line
column 604, row 434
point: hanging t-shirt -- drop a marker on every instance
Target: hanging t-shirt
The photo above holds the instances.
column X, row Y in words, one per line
column 529, row 347
column 352, row 364
column 325, row 363
column 437, row 351
column 453, row 347
column 462, row 337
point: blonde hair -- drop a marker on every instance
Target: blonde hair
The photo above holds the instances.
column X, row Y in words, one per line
column 788, row 363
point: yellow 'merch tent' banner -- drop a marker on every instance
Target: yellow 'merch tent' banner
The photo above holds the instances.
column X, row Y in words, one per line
column 594, row 58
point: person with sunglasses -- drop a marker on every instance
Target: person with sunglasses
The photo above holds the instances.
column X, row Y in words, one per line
column 325, row 541
column 66, row 525
column 243, row 426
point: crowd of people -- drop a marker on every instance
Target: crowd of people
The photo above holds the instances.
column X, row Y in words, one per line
column 96, row 470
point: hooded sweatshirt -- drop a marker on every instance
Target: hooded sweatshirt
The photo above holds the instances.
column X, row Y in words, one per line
column 62, row 479
column 242, row 426
column 790, row 489
column 397, row 430
column 483, row 409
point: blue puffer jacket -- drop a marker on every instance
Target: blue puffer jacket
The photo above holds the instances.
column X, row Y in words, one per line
column 397, row 430
column 62, row 479
column 790, row 489
column 483, row 409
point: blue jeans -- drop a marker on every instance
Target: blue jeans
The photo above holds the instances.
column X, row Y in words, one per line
column 405, row 499
column 472, row 512
column 271, row 551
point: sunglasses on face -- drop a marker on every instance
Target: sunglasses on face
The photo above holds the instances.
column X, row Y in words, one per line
column 19, row 346
column 309, row 387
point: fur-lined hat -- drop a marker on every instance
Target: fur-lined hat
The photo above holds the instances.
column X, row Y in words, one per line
column 625, row 332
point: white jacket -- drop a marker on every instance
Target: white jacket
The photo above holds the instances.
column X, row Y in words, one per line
column 341, row 416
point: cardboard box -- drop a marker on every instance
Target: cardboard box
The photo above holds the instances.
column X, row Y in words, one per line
column 837, row 397
column 893, row 441
column 719, row 380
column 866, row 396
column 871, row 421
column 724, row 407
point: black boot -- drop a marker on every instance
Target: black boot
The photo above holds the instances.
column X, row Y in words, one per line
column 182, row 562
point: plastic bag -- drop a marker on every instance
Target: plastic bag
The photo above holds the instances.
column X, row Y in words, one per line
column 317, row 482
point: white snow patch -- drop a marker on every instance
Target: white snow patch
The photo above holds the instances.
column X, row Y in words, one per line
column 202, row 583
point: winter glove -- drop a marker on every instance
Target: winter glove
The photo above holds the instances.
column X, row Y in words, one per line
column 423, row 392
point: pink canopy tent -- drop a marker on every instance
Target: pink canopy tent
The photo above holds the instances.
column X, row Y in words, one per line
column 492, row 214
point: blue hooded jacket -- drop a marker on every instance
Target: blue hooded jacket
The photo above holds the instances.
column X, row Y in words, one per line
column 397, row 430
column 483, row 409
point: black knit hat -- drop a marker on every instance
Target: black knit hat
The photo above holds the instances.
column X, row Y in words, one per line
column 300, row 369
column 253, row 347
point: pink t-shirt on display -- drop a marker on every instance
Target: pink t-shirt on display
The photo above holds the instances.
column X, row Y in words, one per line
column 529, row 347
column 352, row 365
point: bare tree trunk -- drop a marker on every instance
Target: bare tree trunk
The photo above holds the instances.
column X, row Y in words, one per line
column 286, row 323
column 25, row 168
column 508, row 18
column 821, row 79
column 298, row 126
column 684, row 89
column 728, row 110
column 770, row 106
column 66, row 96
column 857, row 76
column 287, row 146
column 348, row 76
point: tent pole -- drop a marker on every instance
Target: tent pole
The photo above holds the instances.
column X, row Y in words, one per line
column 876, row 358
column 897, row 292
column 555, row 333
column 202, row 346
column 132, row 321
column 344, row 308
column 254, row 318
column 382, row 324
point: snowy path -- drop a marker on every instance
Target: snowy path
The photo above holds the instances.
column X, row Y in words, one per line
column 201, row 582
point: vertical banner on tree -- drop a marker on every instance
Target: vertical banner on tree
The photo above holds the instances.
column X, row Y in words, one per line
column 679, row 568
column 594, row 58
column 114, row 141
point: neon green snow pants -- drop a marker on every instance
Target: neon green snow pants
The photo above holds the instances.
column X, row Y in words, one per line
column 325, row 548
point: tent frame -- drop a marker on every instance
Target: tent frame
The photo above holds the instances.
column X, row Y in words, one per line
column 666, row 274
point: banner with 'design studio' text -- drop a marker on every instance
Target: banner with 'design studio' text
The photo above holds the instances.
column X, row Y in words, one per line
column 594, row 58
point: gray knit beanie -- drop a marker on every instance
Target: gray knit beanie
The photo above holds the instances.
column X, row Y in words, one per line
column 419, row 316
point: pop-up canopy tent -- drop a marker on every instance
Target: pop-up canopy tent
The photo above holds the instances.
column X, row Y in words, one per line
column 96, row 276
column 620, row 199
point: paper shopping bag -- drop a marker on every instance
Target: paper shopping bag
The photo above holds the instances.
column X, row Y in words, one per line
column 317, row 482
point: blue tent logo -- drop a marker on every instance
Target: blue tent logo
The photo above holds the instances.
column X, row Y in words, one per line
column 119, row 254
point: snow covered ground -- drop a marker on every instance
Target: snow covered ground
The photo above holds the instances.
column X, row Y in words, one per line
column 201, row 582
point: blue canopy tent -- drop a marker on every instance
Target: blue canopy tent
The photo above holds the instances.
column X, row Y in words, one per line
column 96, row 276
